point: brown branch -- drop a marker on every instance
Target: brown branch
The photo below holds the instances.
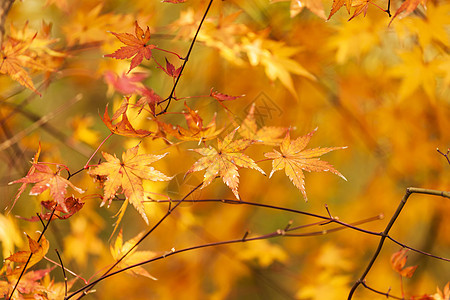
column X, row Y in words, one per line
column 172, row 93
column 245, row 238
column 385, row 233
column 31, row 254
column 87, row 288
column 445, row 154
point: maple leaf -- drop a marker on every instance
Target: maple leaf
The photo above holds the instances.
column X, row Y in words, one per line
column 408, row 6
column 337, row 4
column 72, row 204
column 398, row 261
column 444, row 294
column 294, row 158
column 125, row 84
column 223, row 97
column 135, row 46
column 120, row 248
column 196, row 130
column 150, row 98
column 170, row 70
column 37, row 249
column 30, row 172
column 224, row 161
column 13, row 60
column 361, row 7
column 268, row 135
column 174, row 1
column 123, row 127
column 128, row 175
column 45, row 178
column 276, row 57
column 296, row 7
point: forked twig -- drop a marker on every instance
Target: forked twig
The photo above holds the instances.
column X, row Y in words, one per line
column 385, row 233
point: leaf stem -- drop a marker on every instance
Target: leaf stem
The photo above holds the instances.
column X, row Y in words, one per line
column 95, row 152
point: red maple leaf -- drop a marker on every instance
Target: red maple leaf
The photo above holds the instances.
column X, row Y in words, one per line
column 45, row 178
column 223, row 97
column 135, row 46
column 125, row 84
column 170, row 70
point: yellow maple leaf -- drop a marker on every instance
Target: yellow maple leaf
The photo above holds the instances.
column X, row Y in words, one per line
column 119, row 248
column 224, row 161
column 264, row 252
column 268, row 135
column 128, row 174
column 294, row 158
column 417, row 71
column 296, row 7
column 276, row 57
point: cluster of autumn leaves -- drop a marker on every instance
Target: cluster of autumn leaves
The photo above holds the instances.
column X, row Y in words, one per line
column 125, row 176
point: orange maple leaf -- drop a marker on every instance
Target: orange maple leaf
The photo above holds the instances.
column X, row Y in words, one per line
column 196, row 131
column 37, row 249
column 47, row 179
column 398, row 261
column 135, row 46
column 268, row 135
column 361, row 6
column 337, row 4
column 224, row 161
column 408, row 6
column 294, row 158
column 13, row 59
column 128, row 174
column 123, row 127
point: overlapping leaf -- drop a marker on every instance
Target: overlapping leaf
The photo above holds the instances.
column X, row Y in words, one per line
column 224, row 162
column 44, row 179
column 123, row 127
column 294, row 159
column 195, row 131
column 128, row 175
column 268, row 135
column 398, row 261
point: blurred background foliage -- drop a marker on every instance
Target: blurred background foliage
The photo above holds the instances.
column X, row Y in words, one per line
column 382, row 91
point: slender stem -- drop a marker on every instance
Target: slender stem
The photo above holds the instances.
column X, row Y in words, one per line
column 95, row 152
column 176, row 54
column 418, row 251
column 387, row 295
column 171, row 96
column 241, row 202
column 68, row 270
column 64, row 272
column 445, row 154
